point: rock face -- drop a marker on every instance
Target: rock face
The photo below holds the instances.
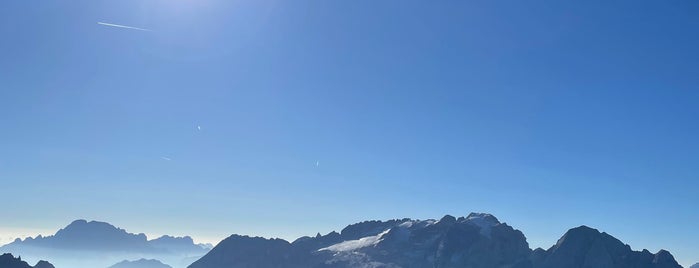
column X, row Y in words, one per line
column 476, row 241
column 9, row 261
column 142, row 263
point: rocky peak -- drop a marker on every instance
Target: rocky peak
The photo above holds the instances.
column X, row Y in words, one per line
column 43, row 264
column 447, row 220
column 664, row 259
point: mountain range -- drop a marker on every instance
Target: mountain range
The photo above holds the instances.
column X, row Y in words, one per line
column 476, row 241
column 100, row 244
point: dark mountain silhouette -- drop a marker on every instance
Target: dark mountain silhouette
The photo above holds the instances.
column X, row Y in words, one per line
column 9, row 261
column 584, row 247
column 101, row 244
column 142, row 263
column 476, row 241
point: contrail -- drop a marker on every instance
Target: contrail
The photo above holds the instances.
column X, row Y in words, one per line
column 122, row 26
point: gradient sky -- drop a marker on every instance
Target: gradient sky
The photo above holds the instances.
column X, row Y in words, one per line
column 548, row 114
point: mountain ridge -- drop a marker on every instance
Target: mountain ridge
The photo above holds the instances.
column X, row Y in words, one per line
column 478, row 240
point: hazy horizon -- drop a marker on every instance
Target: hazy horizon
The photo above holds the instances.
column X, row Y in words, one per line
column 284, row 119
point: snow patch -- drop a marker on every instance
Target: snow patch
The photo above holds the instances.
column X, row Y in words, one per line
column 484, row 221
column 356, row 244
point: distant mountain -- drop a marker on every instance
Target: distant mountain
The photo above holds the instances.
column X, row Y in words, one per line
column 101, row 244
column 9, row 261
column 694, row 266
column 102, row 236
column 93, row 235
column 142, row 263
column 476, row 241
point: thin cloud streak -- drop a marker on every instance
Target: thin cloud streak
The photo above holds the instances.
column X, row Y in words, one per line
column 122, row 26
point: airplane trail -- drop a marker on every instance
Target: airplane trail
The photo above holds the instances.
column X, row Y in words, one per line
column 122, row 26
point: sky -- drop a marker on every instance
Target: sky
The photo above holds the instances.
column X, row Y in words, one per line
column 287, row 118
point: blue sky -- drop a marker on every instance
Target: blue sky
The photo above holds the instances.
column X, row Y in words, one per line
column 548, row 114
